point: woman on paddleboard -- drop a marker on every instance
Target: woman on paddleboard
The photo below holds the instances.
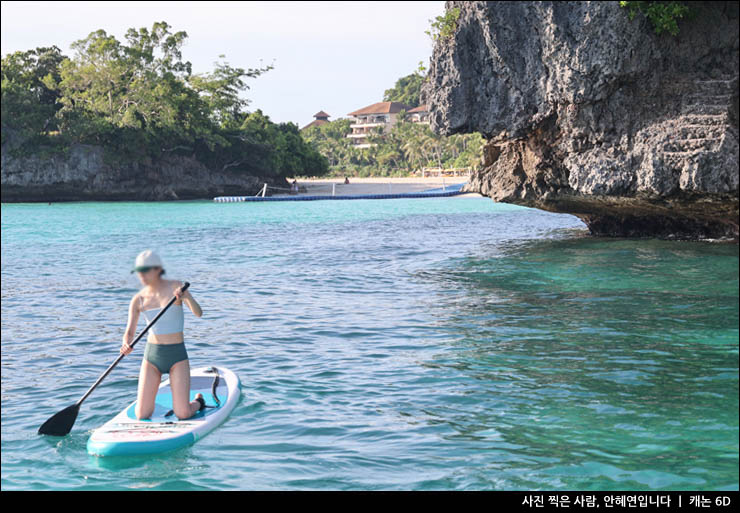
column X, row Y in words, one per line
column 165, row 349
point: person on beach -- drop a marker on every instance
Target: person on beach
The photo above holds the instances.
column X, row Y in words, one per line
column 346, row 181
column 165, row 349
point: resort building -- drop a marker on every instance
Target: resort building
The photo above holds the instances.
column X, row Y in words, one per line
column 321, row 118
column 418, row 114
column 382, row 115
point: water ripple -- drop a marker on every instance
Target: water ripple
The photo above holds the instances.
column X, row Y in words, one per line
column 405, row 344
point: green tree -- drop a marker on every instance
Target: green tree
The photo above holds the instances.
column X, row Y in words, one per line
column 140, row 88
column 330, row 140
column 406, row 90
column 139, row 100
column 280, row 147
column 220, row 90
column 30, row 100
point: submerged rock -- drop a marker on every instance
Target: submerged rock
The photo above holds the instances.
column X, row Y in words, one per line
column 590, row 113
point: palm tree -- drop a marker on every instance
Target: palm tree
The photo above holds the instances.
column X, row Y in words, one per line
column 415, row 148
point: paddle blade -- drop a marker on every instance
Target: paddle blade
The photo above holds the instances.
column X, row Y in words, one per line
column 61, row 423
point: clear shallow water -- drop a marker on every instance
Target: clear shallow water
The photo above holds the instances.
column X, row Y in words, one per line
column 448, row 343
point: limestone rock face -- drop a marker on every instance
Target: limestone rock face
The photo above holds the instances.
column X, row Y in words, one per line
column 591, row 113
column 82, row 174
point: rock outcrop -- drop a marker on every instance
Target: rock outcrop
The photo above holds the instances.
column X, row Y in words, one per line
column 591, row 113
column 82, row 174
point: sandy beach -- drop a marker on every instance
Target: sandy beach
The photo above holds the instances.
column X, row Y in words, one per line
column 376, row 185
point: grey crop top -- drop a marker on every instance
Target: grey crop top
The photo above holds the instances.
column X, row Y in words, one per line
column 172, row 321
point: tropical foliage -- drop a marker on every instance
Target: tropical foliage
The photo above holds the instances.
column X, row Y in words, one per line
column 30, row 100
column 406, row 90
column 444, row 26
column 139, row 100
column 403, row 149
column 664, row 16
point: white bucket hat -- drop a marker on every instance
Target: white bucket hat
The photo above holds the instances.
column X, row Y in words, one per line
column 147, row 259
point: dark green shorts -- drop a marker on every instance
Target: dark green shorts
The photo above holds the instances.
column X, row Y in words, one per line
column 164, row 356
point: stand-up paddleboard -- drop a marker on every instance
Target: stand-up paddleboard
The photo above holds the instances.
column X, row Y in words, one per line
column 124, row 434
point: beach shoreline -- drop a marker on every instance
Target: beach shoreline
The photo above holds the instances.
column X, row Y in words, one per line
column 374, row 185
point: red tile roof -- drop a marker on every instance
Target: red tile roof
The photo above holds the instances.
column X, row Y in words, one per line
column 381, row 108
column 315, row 122
column 420, row 108
column 321, row 114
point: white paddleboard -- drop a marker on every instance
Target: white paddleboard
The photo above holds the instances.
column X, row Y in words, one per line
column 124, row 434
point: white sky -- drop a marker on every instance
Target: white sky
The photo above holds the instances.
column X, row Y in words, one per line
column 331, row 56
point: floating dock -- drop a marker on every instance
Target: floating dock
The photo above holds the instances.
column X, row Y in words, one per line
column 453, row 190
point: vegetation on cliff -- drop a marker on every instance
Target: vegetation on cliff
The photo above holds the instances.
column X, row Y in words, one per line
column 663, row 16
column 140, row 100
column 444, row 26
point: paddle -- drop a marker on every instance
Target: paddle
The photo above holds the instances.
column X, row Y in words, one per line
column 61, row 423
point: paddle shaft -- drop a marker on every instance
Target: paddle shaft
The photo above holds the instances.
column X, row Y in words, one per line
column 132, row 344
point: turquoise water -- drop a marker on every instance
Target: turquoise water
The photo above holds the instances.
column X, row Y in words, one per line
column 431, row 344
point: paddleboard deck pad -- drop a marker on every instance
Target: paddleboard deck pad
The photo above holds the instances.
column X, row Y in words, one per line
column 124, row 434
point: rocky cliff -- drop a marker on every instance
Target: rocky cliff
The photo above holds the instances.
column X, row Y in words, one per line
column 591, row 113
column 82, row 174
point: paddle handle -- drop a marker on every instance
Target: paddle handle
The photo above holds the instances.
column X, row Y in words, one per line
column 120, row 357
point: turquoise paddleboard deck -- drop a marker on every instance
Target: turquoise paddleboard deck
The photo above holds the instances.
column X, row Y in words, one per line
column 124, row 434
